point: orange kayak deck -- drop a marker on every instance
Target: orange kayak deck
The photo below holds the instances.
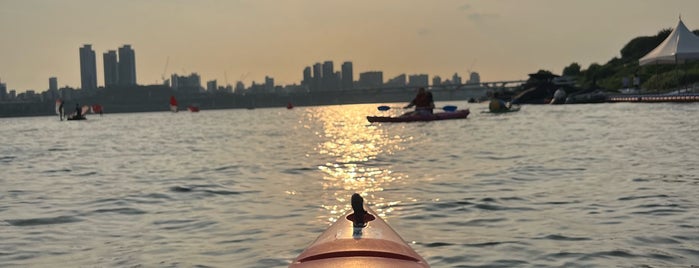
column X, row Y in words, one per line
column 375, row 245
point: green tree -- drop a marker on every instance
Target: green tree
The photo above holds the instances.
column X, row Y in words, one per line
column 572, row 70
column 640, row 46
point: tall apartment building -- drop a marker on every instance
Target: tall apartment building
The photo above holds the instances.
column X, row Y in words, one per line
column 111, row 68
column 88, row 68
column 127, row 66
column 347, row 75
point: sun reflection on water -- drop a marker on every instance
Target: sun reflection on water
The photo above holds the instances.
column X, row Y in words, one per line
column 356, row 152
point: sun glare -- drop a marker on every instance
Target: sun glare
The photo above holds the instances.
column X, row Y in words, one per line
column 354, row 149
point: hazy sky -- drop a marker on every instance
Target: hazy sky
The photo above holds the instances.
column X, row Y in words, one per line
column 229, row 40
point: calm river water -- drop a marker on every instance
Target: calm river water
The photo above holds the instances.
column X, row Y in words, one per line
column 605, row 185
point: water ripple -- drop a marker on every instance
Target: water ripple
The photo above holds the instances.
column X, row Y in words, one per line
column 43, row 221
column 563, row 238
column 7, row 158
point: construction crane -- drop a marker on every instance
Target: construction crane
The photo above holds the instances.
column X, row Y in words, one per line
column 162, row 76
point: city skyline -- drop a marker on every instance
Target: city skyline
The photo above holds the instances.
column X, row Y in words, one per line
column 229, row 41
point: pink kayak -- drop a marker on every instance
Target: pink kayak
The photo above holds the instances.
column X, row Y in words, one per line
column 359, row 241
column 421, row 118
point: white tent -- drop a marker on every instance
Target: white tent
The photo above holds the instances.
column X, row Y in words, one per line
column 681, row 45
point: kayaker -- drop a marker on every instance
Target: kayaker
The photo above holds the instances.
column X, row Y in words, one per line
column 60, row 110
column 77, row 110
column 497, row 104
column 423, row 102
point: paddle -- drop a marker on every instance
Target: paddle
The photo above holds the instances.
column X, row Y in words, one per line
column 447, row 108
column 386, row 108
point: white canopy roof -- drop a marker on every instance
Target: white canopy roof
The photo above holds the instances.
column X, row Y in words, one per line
column 681, row 45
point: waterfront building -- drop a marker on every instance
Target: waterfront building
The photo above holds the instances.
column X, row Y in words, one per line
column 211, row 86
column 398, row 81
column 307, row 77
column 111, row 68
column 127, row 66
column 269, row 84
column 347, row 75
column 190, row 83
column 418, row 80
column 456, row 79
column 317, row 76
column 3, row 92
column 88, row 68
column 436, row 81
column 474, row 78
column 53, row 83
column 239, row 87
column 371, row 79
column 329, row 79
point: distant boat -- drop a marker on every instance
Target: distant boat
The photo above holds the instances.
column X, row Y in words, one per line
column 289, row 106
column 75, row 117
column 173, row 104
column 193, row 108
column 559, row 97
column 96, row 109
column 80, row 116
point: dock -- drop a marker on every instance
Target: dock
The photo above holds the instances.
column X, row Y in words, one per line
column 687, row 97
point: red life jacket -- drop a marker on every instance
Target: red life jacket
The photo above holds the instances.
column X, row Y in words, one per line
column 423, row 100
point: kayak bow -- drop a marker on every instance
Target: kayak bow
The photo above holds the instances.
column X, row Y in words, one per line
column 359, row 241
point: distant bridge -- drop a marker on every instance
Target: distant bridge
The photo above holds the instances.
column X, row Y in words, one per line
column 444, row 87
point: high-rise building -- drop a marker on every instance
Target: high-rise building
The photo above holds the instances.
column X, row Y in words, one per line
column 53, row 83
column 329, row 81
column 111, row 68
column 317, row 76
column 328, row 68
column 3, row 91
column 371, row 79
column 127, row 66
column 347, row 75
column 398, row 81
column 418, row 80
column 307, row 77
column 475, row 78
column 436, row 80
column 269, row 84
column 191, row 83
column 88, row 68
column 239, row 87
column 456, row 79
column 211, row 86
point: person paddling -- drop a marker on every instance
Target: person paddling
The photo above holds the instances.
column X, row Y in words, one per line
column 60, row 109
column 423, row 102
column 77, row 110
column 497, row 105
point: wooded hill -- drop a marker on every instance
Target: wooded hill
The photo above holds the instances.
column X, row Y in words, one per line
column 654, row 78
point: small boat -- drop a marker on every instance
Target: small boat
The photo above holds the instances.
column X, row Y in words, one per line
column 76, row 117
column 96, row 109
column 173, row 104
column 193, row 109
column 359, row 239
column 79, row 116
column 459, row 114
